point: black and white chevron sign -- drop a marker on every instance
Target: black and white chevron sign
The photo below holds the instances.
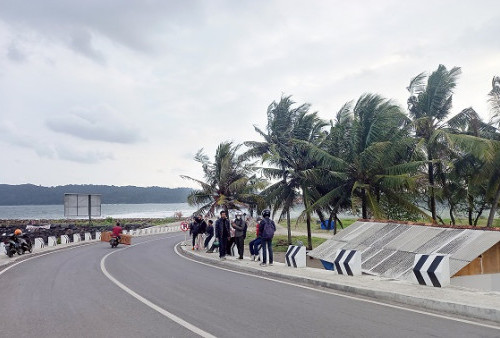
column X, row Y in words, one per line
column 348, row 262
column 432, row 270
column 296, row 256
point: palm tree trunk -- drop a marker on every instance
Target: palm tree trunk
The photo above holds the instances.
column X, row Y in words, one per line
column 469, row 208
column 364, row 213
column 431, row 183
column 479, row 213
column 309, row 238
column 494, row 207
column 308, row 220
column 289, row 227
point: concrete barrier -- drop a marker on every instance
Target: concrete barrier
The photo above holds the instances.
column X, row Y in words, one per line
column 2, row 248
column 88, row 236
column 432, row 270
column 52, row 241
column 97, row 235
column 296, row 256
column 65, row 239
column 39, row 243
column 77, row 238
column 348, row 262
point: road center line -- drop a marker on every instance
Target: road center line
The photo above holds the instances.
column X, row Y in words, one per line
column 143, row 300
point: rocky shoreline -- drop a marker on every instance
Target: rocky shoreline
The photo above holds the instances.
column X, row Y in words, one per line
column 46, row 228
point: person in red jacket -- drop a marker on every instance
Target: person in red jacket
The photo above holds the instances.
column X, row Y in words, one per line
column 117, row 231
column 256, row 243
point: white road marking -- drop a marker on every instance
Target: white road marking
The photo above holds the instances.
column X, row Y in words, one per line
column 340, row 294
column 143, row 300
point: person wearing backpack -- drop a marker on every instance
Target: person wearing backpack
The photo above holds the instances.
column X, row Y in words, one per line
column 266, row 231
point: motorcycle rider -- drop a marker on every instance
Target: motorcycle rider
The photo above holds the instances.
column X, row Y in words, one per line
column 18, row 238
column 117, row 231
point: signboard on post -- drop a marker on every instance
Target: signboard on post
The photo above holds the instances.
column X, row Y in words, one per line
column 82, row 205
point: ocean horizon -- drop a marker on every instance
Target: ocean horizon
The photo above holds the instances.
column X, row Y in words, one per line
column 116, row 211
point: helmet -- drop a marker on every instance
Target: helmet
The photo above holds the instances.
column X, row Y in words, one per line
column 266, row 213
column 18, row 232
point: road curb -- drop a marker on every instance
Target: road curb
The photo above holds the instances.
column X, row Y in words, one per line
column 452, row 308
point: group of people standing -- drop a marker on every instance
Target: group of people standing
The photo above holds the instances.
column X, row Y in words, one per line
column 197, row 229
column 228, row 232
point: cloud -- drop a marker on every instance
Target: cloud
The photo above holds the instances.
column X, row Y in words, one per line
column 15, row 54
column 55, row 151
column 81, row 41
column 98, row 124
column 136, row 24
column 144, row 84
column 85, row 156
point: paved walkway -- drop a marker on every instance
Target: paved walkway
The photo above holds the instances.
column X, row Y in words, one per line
column 453, row 300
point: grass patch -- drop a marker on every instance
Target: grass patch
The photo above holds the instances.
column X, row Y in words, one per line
column 280, row 242
column 315, row 225
column 166, row 220
column 464, row 221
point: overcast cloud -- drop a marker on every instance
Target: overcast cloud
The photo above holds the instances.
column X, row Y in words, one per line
column 125, row 92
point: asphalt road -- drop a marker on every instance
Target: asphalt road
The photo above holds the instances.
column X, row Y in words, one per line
column 147, row 290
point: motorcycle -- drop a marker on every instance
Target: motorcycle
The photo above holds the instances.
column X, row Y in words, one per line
column 18, row 245
column 25, row 244
column 10, row 247
column 114, row 241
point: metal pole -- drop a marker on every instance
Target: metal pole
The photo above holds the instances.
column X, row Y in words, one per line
column 90, row 209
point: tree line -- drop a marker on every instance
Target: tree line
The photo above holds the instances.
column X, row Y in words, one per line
column 373, row 157
column 29, row 194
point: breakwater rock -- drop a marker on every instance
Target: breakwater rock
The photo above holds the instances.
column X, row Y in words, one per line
column 46, row 228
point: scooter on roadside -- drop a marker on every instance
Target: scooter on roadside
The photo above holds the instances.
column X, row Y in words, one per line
column 10, row 247
column 25, row 244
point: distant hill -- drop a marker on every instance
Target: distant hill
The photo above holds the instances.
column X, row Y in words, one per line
column 29, row 194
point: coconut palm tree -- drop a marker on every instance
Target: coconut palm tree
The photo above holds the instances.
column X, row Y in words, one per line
column 494, row 182
column 229, row 181
column 429, row 104
column 464, row 185
column 274, row 151
column 365, row 157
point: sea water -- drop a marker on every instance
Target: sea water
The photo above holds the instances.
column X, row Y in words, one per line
column 150, row 210
column 115, row 211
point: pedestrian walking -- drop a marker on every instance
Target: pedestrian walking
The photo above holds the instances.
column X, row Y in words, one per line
column 209, row 232
column 240, row 228
column 266, row 231
column 202, row 228
column 194, row 229
column 222, row 233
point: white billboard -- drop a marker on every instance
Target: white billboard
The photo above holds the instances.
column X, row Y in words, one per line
column 82, row 205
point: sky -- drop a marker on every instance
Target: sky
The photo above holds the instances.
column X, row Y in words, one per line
column 125, row 92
